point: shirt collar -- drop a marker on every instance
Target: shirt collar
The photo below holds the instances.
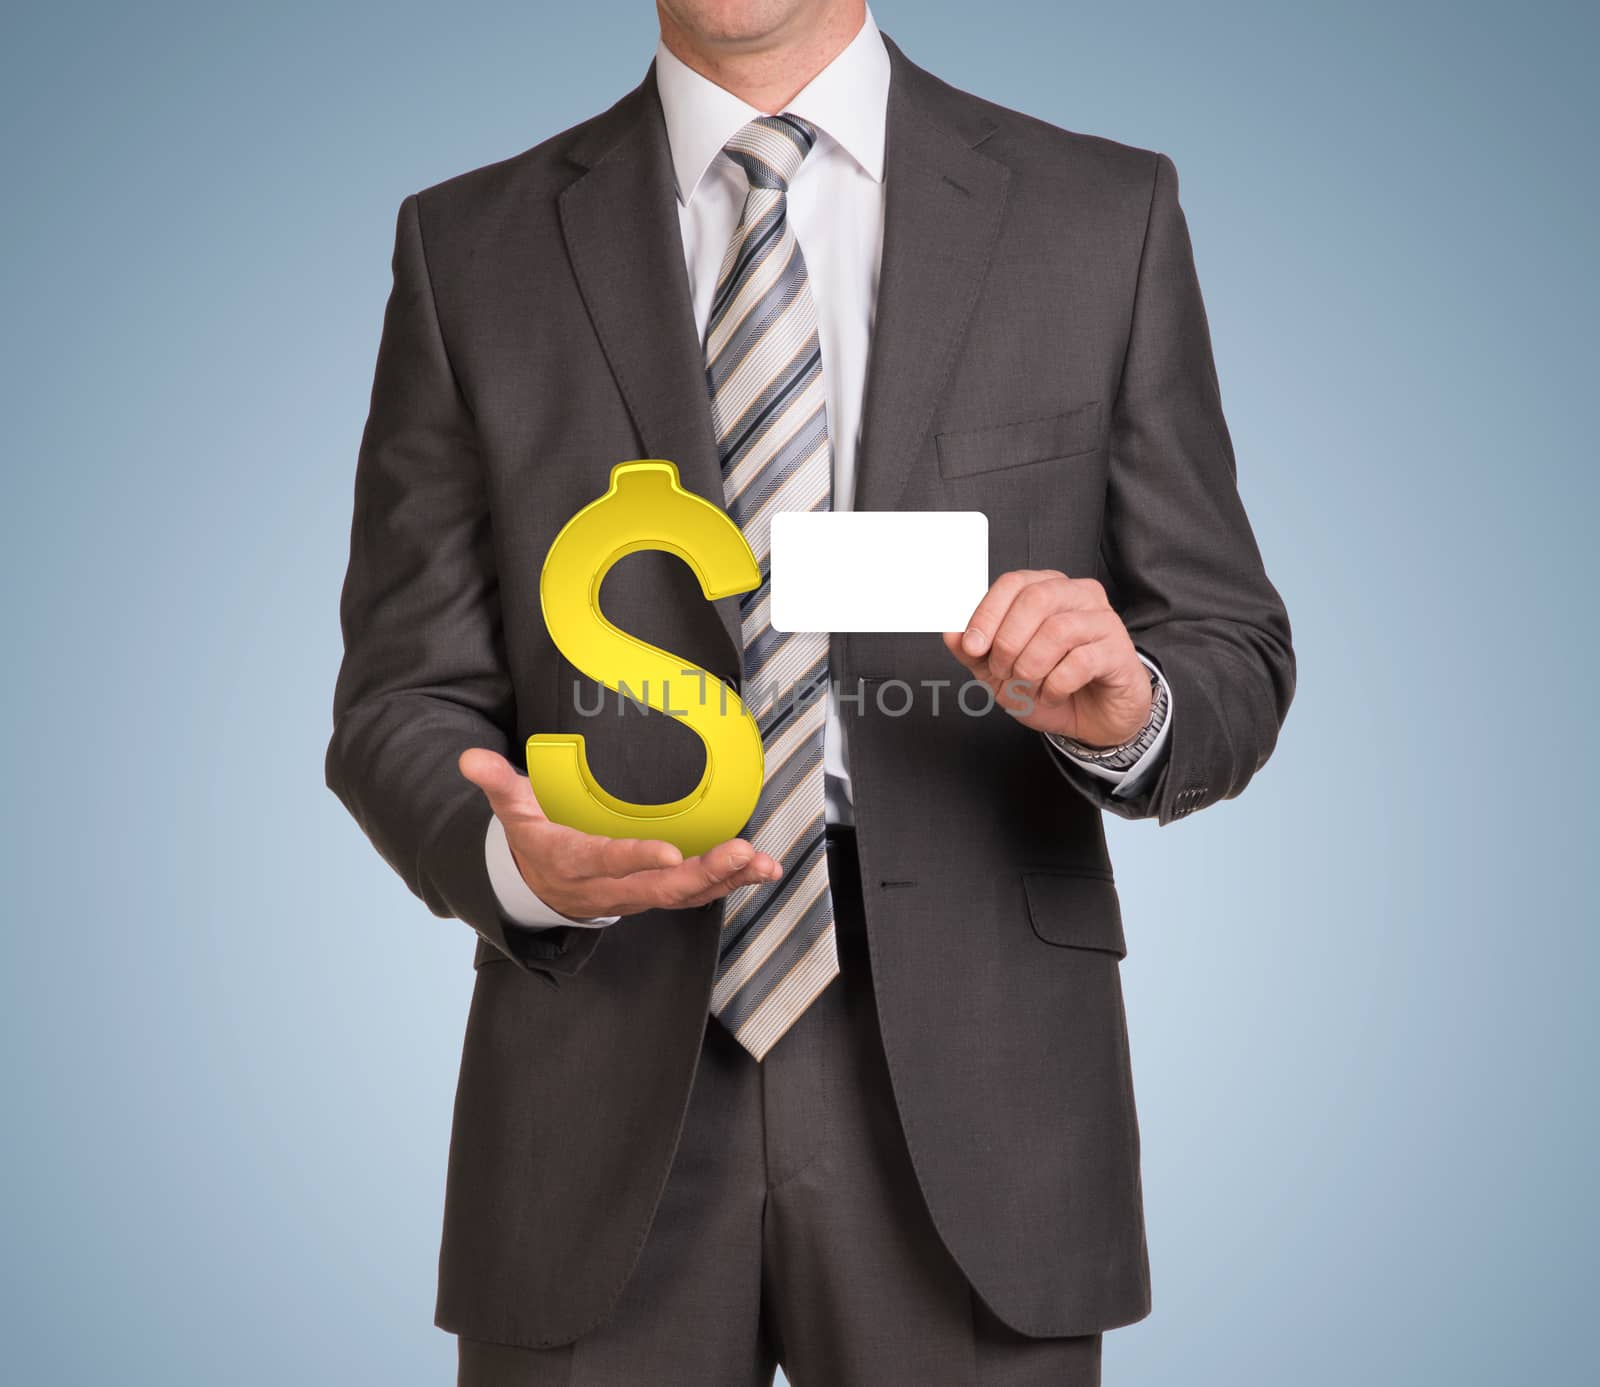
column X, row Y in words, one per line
column 848, row 101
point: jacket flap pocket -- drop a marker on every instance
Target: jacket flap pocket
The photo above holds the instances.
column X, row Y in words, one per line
column 969, row 451
column 1076, row 909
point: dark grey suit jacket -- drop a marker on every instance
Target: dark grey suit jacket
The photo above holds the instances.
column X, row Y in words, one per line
column 1041, row 354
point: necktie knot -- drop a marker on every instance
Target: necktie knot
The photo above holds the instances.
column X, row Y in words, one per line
column 770, row 149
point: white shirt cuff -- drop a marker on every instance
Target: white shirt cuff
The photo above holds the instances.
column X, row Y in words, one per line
column 520, row 902
column 1126, row 782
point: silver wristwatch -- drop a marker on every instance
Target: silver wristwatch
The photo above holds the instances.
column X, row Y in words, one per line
column 1127, row 754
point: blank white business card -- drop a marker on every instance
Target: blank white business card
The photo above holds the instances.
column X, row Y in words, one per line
column 878, row 570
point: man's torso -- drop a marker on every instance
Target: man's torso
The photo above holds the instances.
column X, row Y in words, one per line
column 1011, row 253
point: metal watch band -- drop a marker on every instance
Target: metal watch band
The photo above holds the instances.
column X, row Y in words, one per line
column 1127, row 754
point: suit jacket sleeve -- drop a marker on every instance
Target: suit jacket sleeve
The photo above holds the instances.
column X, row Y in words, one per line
column 424, row 674
column 1180, row 562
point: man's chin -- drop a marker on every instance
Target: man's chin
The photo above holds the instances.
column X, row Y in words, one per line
column 748, row 25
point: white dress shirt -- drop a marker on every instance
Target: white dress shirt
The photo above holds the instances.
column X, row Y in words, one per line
column 836, row 206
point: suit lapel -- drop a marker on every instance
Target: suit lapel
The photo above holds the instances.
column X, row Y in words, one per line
column 944, row 201
column 620, row 222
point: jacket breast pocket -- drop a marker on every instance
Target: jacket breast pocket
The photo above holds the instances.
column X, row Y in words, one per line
column 967, row 452
column 1076, row 909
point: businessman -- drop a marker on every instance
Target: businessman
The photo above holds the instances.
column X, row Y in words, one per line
column 850, row 1093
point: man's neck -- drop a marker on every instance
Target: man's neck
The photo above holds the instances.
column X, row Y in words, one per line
column 768, row 73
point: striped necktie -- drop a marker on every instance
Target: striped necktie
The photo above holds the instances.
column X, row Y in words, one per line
column 764, row 370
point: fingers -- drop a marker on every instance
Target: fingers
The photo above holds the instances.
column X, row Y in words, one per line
column 952, row 643
column 585, row 875
column 698, row 875
column 1026, row 624
column 620, row 857
column 1081, row 666
column 1056, row 635
column 1011, row 614
column 748, row 876
column 588, row 874
column 571, row 864
column 973, row 645
column 989, row 613
column 1047, row 599
column 730, row 866
column 699, row 880
column 506, row 788
column 1053, row 652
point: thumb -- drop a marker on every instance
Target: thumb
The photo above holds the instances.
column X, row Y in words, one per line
column 973, row 663
column 504, row 786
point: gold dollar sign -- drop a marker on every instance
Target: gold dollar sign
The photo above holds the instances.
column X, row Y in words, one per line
column 646, row 507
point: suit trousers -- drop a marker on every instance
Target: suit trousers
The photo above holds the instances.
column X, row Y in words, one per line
column 792, row 1231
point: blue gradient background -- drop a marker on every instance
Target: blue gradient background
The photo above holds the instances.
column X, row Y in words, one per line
column 1362, row 997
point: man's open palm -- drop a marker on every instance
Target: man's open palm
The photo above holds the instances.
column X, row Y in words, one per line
column 587, row 875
